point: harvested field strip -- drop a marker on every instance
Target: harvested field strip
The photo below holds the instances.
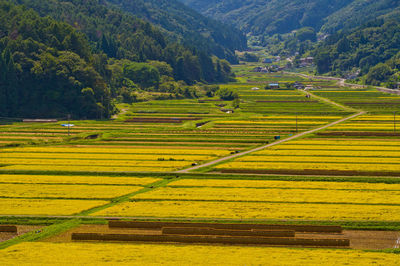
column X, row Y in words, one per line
column 46, row 206
column 246, row 210
column 226, row 232
column 65, row 191
column 41, row 253
column 244, row 240
column 56, row 179
column 274, row 195
column 115, row 224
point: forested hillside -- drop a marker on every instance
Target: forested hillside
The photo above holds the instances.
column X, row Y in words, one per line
column 186, row 24
column 373, row 48
column 50, row 68
column 267, row 17
column 45, row 69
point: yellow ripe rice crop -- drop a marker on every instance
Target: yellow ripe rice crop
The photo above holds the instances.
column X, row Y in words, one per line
column 290, row 146
column 270, row 122
column 111, row 163
column 328, row 159
column 375, row 117
column 328, row 152
column 358, row 126
column 300, row 117
column 312, row 166
column 282, row 184
column 108, row 150
column 110, row 156
column 65, row 191
column 59, row 179
column 46, row 206
column 342, row 142
column 44, row 253
column 254, row 210
column 86, row 168
column 273, row 195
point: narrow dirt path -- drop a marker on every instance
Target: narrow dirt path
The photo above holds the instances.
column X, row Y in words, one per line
column 220, row 160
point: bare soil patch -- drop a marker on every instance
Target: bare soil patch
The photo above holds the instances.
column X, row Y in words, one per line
column 22, row 229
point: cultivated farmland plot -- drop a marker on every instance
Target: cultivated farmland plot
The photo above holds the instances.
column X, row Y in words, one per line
column 345, row 175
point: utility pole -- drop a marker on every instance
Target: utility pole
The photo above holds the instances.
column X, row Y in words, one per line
column 69, row 118
column 297, row 130
column 394, row 122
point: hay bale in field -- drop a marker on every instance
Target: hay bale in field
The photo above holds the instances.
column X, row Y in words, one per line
column 250, row 240
column 8, row 228
column 228, row 226
column 226, row 232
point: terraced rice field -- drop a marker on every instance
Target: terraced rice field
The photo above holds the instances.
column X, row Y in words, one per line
column 345, row 175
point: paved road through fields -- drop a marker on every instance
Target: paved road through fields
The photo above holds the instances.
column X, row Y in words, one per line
column 233, row 156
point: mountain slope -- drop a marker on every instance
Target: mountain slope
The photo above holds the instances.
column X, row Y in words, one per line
column 188, row 25
column 267, row 17
column 374, row 44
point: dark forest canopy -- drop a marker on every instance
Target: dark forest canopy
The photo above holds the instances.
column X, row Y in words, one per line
column 50, row 68
column 177, row 21
column 189, row 26
column 372, row 48
column 268, row 17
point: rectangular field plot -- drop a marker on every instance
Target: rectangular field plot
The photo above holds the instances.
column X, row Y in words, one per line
column 283, row 194
column 56, row 179
column 331, row 157
column 253, row 210
column 104, row 159
column 46, row 206
column 231, row 183
column 155, row 254
column 64, row 191
column 366, row 126
column 258, row 199
column 370, row 100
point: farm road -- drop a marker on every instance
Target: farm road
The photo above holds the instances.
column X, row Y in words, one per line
column 220, row 160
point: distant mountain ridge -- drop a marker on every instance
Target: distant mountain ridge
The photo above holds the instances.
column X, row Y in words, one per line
column 267, row 17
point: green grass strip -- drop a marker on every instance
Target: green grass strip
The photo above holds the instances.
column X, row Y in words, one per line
column 42, row 234
column 126, row 197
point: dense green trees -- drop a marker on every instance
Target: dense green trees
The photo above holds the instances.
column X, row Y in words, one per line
column 268, row 17
column 45, row 69
column 372, row 48
column 49, row 68
column 185, row 24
